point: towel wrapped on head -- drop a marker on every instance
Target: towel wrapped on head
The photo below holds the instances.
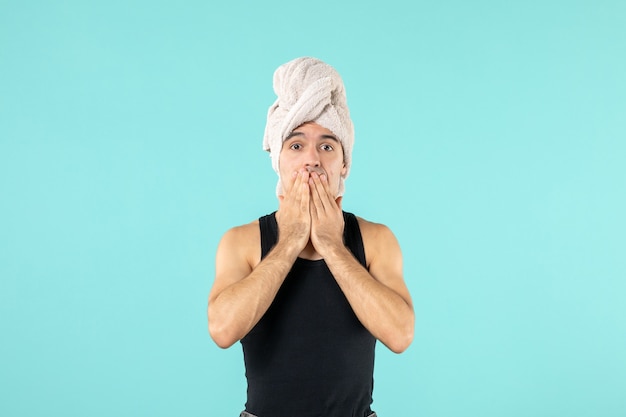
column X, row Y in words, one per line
column 308, row 90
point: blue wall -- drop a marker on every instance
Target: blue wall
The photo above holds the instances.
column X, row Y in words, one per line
column 490, row 136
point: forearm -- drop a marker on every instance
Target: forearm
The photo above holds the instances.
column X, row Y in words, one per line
column 239, row 307
column 387, row 315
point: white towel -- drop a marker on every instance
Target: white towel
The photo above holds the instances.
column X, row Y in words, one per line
column 308, row 90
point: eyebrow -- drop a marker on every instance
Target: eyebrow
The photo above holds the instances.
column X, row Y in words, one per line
column 296, row 133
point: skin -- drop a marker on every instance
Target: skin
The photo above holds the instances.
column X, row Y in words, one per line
column 310, row 224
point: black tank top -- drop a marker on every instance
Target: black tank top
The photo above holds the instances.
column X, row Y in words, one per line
column 309, row 356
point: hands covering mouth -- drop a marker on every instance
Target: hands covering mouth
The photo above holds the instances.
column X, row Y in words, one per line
column 318, row 170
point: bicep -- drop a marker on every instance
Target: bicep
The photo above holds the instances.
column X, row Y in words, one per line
column 385, row 261
column 231, row 261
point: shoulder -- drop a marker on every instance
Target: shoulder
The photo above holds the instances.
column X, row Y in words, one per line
column 373, row 230
column 237, row 254
column 378, row 240
column 242, row 243
column 242, row 232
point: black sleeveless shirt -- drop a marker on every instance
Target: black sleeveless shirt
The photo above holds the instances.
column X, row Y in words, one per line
column 309, row 355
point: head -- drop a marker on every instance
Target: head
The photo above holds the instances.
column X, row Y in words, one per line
column 311, row 105
column 315, row 148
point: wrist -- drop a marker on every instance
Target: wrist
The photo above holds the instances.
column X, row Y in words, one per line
column 334, row 251
column 285, row 248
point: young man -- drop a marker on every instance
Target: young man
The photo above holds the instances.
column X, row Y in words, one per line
column 309, row 288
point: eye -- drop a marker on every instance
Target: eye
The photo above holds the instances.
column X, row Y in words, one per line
column 295, row 146
column 327, row 147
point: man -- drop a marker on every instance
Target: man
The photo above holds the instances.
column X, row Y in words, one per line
column 309, row 288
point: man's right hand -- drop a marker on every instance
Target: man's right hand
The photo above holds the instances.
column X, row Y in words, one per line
column 244, row 288
column 294, row 216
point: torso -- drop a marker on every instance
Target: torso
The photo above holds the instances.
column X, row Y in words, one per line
column 309, row 355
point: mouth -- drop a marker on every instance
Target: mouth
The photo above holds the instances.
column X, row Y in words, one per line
column 317, row 170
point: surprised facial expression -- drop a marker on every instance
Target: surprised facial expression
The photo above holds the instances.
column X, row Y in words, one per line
column 316, row 149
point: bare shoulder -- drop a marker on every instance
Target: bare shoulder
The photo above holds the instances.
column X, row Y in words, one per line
column 243, row 232
column 378, row 240
column 238, row 253
column 241, row 243
column 384, row 257
column 372, row 229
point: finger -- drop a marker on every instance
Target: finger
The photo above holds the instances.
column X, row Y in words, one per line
column 296, row 186
column 317, row 208
column 314, row 210
column 324, row 192
column 317, row 192
column 296, row 179
column 326, row 184
column 303, row 198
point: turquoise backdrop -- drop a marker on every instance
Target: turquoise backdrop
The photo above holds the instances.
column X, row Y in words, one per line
column 490, row 136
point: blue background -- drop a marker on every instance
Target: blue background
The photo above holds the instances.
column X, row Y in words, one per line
column 490, row 136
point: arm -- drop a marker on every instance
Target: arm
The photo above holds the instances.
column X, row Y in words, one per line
column 243, row 290
column 241, row 294
column 379, row 297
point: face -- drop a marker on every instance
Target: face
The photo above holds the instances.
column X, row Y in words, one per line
column 313, row 147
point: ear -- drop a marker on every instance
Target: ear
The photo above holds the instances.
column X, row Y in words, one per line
column 344, row 170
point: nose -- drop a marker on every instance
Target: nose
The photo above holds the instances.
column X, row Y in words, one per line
column 312, row 158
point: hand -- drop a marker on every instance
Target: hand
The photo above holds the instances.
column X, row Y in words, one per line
column 326, row 216
column 294, row 217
